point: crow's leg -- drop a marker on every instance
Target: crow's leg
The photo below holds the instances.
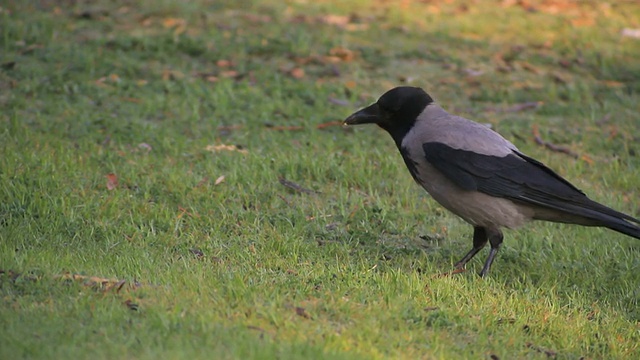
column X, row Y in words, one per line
column 495, row 239
column 479, row 241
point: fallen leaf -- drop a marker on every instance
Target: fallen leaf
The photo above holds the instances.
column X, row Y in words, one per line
column 338, row 20
column 583, row 21
column 223, row 63
column 104, row 284
column 300, row 311
column 171, row 75
column 632, row 33
column 223, row 147
column 219, row 180
column 350, row 84
column 612, row 83
column 525, row 65
column 112, row 181
column 297, row 73
column 342, row 53
column 586, row 158
column 229, row 74
column 173, row 22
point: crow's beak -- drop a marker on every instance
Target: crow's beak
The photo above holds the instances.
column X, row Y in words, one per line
column 368, row 115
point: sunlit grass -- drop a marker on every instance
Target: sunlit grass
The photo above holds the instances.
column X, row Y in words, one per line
column 228, row 262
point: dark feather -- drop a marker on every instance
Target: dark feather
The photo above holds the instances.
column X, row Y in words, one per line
column 521, row 178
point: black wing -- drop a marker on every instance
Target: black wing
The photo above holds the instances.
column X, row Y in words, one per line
column 515, row 176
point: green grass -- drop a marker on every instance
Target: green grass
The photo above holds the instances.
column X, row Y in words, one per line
column 250, row 269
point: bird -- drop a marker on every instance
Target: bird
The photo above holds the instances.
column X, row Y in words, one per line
column 479, row 175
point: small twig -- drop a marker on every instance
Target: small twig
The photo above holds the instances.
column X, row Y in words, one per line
column 283, row 128
column 293, row 186
column 518, row 136
column 328, row 124
column 285, row 200
column 339, row 102
column 523, row 106
column 551, row 146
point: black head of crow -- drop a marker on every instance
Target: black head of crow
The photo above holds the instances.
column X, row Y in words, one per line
column 396, row 111
column 480, row 176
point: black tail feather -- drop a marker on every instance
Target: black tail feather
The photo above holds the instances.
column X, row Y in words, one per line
column 624, row 227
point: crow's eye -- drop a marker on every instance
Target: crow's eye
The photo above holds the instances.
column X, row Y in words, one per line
column 389, row 107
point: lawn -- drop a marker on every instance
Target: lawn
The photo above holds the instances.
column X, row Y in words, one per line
column 175, row 181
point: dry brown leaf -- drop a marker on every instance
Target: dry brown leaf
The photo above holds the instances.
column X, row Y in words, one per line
column 112, row 181
column 223, row 147
column 229, row 74
column 171, row 75
column 342, row 53
column 219, row 180
column 583, row 21
column 257, row 18
column 612, row 83
column 223, row 63
column 527, row 66
column 356, row 27
column 173, row 22
column 350, row 84
column 586, row 158
column 338, row 20
column 297, row 73
column 111, row 78
column 104, row 284
column 300, row 311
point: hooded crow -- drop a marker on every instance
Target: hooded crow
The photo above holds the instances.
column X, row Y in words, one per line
column 480, row 176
